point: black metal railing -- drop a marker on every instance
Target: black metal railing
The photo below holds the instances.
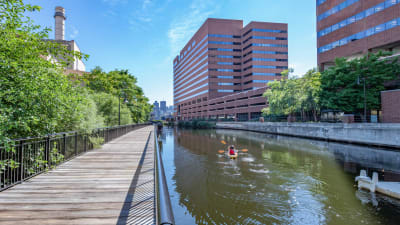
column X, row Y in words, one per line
column 28, row 157
column 164, row 213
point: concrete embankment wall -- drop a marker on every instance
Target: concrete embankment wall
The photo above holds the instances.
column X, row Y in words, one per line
column 385, row 135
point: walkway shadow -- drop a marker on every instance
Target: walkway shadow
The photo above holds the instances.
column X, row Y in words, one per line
column 139, row 201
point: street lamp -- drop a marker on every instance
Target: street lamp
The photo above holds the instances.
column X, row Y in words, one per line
column 365, row 98
column 119, row 109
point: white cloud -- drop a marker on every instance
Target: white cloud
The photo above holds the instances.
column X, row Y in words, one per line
column 74, row 32
column 183, row 27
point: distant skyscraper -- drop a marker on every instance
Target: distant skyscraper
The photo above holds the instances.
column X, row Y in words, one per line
column 163, row 106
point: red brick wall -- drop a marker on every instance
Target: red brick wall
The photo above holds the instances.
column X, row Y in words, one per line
column 391, row 106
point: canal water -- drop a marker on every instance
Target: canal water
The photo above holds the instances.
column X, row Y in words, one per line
column 280, row 180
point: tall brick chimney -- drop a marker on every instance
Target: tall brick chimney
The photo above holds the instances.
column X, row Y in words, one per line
column 59, row 17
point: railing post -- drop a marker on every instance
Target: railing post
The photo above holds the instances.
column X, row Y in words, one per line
column 64, row 145
column 21, row 150
column 76, row 143
column 47, row 151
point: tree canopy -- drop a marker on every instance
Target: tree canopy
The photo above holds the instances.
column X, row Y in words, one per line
column 294, row 95
column 342, row 84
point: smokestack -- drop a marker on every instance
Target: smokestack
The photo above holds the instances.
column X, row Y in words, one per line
column 59, row 17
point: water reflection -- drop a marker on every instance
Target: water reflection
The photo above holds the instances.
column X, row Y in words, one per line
column 279, row 181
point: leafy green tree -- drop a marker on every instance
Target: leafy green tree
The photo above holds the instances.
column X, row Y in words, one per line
column 108, row 107
column 121, row 84
column 342, row 84
column 292, row 96
column 36, row 98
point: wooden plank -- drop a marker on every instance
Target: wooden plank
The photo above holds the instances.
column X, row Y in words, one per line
column 112, row 185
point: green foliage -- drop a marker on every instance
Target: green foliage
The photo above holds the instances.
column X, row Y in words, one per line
column 121, row 84
column 342, row 84
column 107, row 106
column 197, row 124
column 294, row 95
column 96, row 141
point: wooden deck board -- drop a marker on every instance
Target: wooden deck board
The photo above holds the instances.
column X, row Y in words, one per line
column 111, row 185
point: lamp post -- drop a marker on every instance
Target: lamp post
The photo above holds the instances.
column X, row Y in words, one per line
column 365, row 98
column 119, row 109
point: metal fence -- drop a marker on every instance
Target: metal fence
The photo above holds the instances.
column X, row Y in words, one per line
column 28, row 157
column 164, row 213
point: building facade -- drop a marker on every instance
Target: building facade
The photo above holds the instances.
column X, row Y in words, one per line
column 221, row 62
column 352, row 28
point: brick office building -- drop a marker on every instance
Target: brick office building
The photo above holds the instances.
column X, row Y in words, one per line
column 223, row 70
column 353, row 28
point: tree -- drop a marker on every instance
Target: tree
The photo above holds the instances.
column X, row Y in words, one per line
column 36, row 98
column 122, row 84
column 342, row 84
column 292, row 96
column 108, row 107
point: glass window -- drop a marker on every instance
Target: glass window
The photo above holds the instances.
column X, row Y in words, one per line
column 360, row 35
column 389, row 3
column 379, row 7
column 369, row 11
column 343, row 23
column 335, row 27
column 343, row 41
column 335, row 44
column 380, row 28
column 360, row 16
column 351, row 20
column 369, row 32
column 342, row 6
column 391, row 24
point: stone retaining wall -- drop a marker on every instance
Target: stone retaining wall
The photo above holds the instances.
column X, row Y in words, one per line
column 385, row 135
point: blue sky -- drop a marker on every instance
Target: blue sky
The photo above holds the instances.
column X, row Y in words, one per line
column 144, row 36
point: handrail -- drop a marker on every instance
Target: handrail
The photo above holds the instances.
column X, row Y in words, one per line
column 28, row 157
column 164, row 213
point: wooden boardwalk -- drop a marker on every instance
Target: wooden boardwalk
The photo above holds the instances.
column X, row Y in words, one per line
column 112, row 185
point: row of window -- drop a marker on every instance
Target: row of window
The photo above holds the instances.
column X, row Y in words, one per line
column 225, row 91
column 363, row 34
column 265, row 45
column 264, row 30
column 229, row 63
column 224, row 36
column 264, row 38
column 185, row 73
column 336, row 9
column 224, row 70
column 225, row 49
column 262, row 74
column 190, row 91
column 265, row 52
column 265, row 60
column 265, row 67
column 359, row 16
column 192, row 96
column 191, row 85
column 224, row 43
column 179, row 83
column 227, row 56
column 181, row 57
column 228, row 84
column 181, row 70
column 319, row 2
column 226, row 77
column 258, row 81
column 182, row 60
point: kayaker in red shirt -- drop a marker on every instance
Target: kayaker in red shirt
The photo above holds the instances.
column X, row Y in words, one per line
column 232, row 150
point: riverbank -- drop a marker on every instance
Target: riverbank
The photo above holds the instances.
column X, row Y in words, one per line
column 379, row 135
